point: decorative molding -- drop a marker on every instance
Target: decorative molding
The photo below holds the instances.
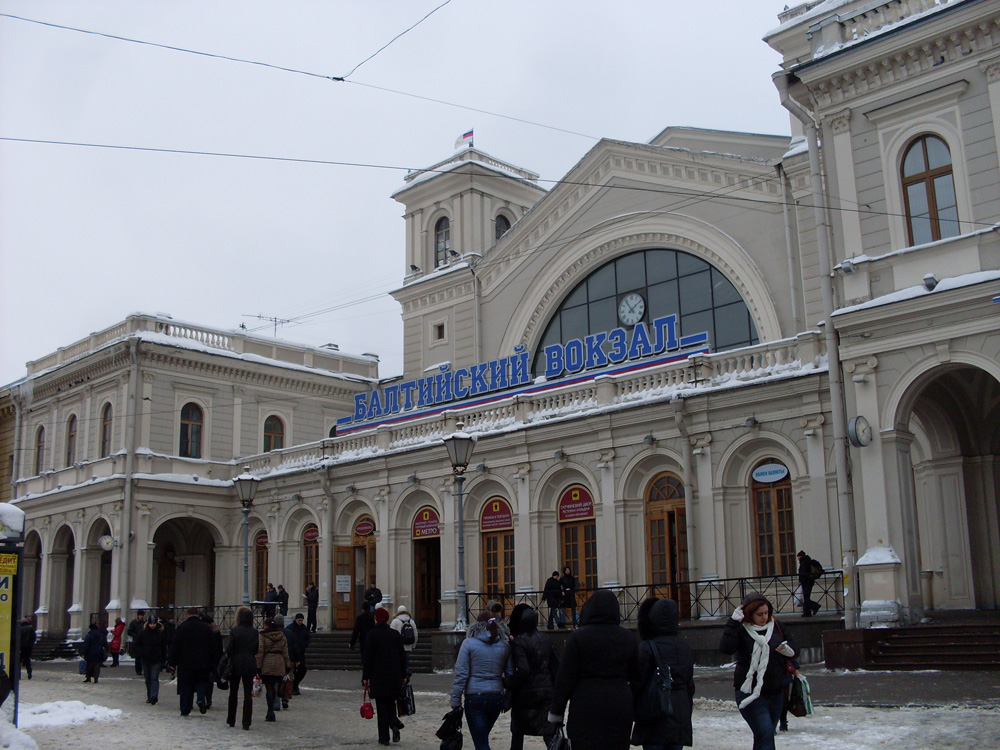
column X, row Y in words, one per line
column 931, row 101
column 991, row 69
column 840, row 121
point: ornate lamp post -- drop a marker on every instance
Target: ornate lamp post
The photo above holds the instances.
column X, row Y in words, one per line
column 246, row 487
column 460, row 445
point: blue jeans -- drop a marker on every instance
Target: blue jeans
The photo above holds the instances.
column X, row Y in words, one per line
column 481, row 713
column 151, row 673
column 762, row 715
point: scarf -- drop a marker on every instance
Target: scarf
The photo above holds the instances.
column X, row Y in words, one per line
column 758, row 661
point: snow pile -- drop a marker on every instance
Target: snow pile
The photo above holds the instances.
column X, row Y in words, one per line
column 13, row 738
column 60, row 713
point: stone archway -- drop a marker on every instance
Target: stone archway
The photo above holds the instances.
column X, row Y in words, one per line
column 183, row 564
column 952, row 419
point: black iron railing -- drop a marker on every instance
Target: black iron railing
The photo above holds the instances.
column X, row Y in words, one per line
column 223, row 615
column 703, row 599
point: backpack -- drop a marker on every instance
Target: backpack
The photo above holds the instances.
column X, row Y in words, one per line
column 409, row 635
column 815, row 570
column 654, row 702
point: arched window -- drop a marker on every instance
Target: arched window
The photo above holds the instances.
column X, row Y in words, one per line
column 39, row 450
column 260, row 562
column 106, row 424
column 333, row 431
column 669, row 282
column 71, row 440
column 191, row 423
column 274, row 434
column 442, row 241
column 496, row 524
column 578, row 537
column 502, row 224
column 773, row 522
column 666, row 539
column 310, row 555
column 929, row 191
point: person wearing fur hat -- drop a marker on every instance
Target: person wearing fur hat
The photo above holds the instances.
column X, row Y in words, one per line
column 659, row 621
column 404, row 624
column 762, row 648
column 384, row 674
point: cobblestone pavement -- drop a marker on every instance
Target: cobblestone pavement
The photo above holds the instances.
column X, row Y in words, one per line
column 957, row 710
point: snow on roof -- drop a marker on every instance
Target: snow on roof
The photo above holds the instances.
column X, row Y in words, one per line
column 11, row 520
column 956, row 282
column 455, row 162
column 822, row 9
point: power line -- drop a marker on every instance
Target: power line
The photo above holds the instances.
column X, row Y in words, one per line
column 405, row 31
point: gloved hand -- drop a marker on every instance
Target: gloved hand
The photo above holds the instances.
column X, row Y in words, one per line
column 785, row 650
column 738, row 614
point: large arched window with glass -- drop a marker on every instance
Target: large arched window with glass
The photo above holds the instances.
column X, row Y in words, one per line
column 502, row 225
column 71, row 440
column 39, row 450
column 192, row 420
column 773, row 521
column 274, row 434
column 107, row 422
column 442, row 241
column 929, row 191
column 650, row 284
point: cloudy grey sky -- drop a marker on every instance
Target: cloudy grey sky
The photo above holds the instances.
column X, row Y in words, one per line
column 88, row 235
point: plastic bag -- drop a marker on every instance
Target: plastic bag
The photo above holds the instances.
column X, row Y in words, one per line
column 258, row 686
column 797, row 597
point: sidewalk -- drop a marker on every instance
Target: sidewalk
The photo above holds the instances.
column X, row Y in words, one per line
column 956, row 710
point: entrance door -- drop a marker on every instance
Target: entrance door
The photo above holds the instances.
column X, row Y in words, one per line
column 166, row 579
column 427, row 580
column 579, row 544
column 666, row 540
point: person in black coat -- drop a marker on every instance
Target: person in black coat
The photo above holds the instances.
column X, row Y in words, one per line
column 384, row 674
column 282, row 601
column 312, row 604
column 806, row 580
column 568, row 584
column 150, row 646
column 271, row 599
column 297, row 636
column 94, row 647
column 363, row 624
column 762, row 648
column 242, row 650
column 191, row 654
column 658, row 626
column 598, row 666
column 27, row 635
column 535, row 662
column 552, row 596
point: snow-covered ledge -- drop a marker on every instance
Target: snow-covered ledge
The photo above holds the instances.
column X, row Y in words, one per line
column 879, row 567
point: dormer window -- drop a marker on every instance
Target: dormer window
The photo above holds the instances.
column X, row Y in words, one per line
column 442, row 241
column 502, row 226
column 929, row 191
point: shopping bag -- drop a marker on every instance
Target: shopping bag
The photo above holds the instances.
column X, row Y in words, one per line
column 83, row 666
column 802, row 684
column 796, row 705
column 797, row 597
column 258, row 686
column 404, row 704
column 559, row 741
column 285, row 690
column 367, row 710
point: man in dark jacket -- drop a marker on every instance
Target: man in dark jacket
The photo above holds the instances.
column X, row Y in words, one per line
column 27, row 636
column 373, row 595
column 131, row 632
column 271, row 599
column 282, row 601
column 552, row 594
column 363, row 623
column 216, row 656
column 384, row 672
column 297, row 635
column 597, row 668
column 658, row 626
column 151, row 647
column 312, row 604
column 806, row 580
column 568, row 583
column 191, row 654
column 535, row 663
column 242, row 648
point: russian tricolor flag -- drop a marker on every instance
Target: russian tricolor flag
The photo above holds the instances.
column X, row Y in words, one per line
column 464, row 138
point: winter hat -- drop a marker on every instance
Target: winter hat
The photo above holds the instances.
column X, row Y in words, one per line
column 381, row 616
column 151, row 620
column 299, row 616
column 402, row 610
column 279, row 620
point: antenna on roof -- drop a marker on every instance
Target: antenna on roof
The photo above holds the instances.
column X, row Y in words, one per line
column 269, row 319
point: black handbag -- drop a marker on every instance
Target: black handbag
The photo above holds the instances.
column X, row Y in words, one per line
column 559, row 741
column 404, row 704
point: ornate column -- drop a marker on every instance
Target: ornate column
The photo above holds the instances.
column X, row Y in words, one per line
column 142, row 589
column 611, row 529
column 991, row 69
column 704, row 510
column 77, row 619
column 527, row 566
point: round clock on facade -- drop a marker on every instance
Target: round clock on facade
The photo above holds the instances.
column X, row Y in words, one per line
column 106, row 543
column 859, row 432
column 631, row 309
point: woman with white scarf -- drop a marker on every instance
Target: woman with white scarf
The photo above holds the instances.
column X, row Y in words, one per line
column 762, row 648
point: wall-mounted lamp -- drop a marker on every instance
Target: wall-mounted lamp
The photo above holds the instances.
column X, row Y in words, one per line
column 296, row 496
column 930, row 282
column 350, row 489
column 482, row 468
column 414, row 269
column 453, row 254
column 847, row 266
column 172, row 559
column 751, row 421
column 649, row 439
column 559, row 455
column 412, row 479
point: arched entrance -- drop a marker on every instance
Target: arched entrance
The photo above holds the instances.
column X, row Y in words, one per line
column 666, row 540
column 578, row 536
column 184, row 564
column 62, row 566
column 426, row 533
column 496, row 527
column 354, row 570
column 952, row 422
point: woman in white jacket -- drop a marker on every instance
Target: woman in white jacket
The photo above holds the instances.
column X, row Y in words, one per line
column 403, row 624
column 482, row 662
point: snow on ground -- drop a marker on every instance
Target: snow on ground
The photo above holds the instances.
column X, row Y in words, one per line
column 62, row 713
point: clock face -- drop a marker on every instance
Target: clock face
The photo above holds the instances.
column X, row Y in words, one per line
column 631, row 309
column 106, row 543
column 859, row 431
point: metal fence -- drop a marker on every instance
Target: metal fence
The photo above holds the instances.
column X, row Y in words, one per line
column 223, row 615
column 698, row 600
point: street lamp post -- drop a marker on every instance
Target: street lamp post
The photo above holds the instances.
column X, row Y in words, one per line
column 246, row 487
column 460, row 445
